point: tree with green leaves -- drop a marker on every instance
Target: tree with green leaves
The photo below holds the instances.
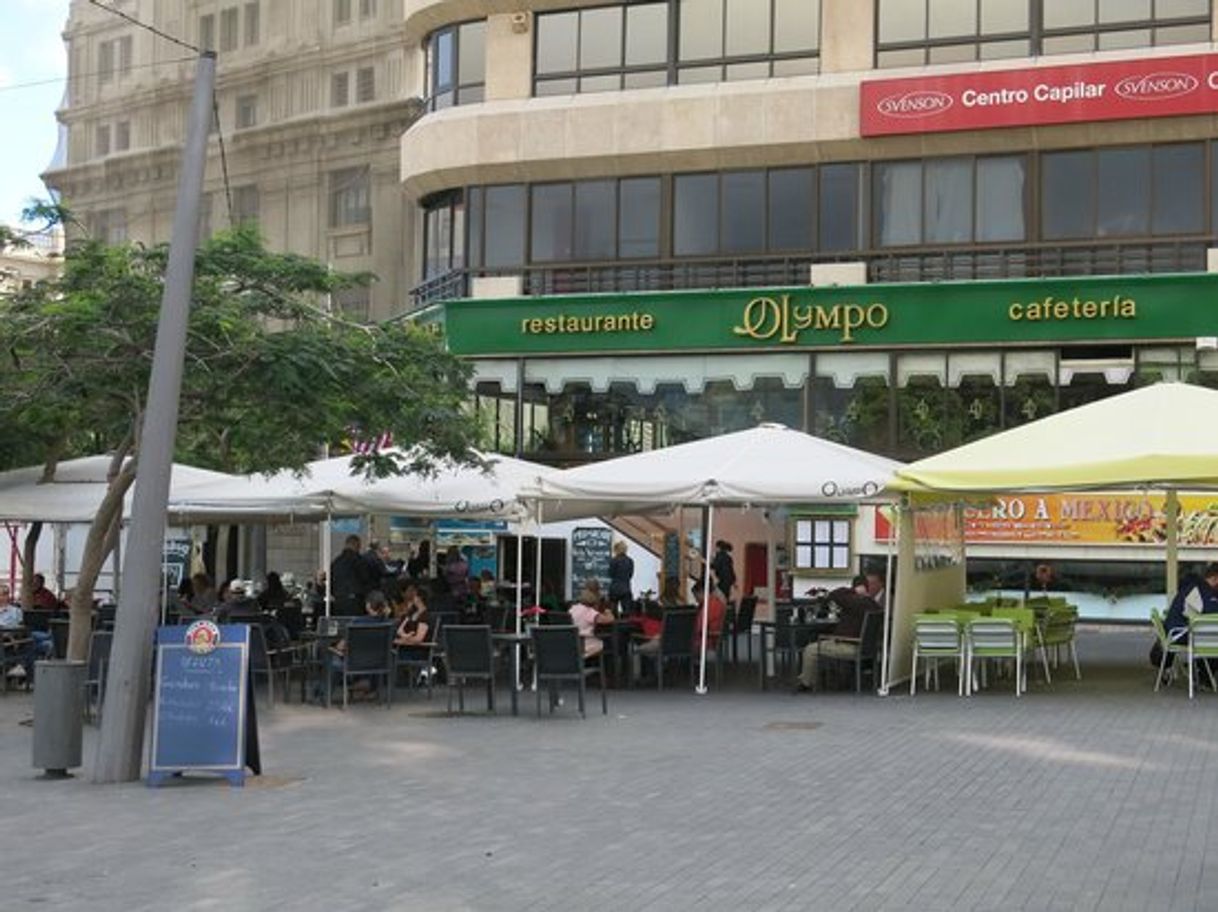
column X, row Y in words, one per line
column 270, row 374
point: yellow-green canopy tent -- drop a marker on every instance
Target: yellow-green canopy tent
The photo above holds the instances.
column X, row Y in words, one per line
column 1163, row 436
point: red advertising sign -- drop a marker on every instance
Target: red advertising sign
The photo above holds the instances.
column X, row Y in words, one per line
column 1117, row 90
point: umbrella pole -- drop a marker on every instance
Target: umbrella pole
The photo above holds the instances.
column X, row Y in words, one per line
column 1173, row 543
column 885, row 671
column 325, row 557
column 706, row 594
column 519, row 595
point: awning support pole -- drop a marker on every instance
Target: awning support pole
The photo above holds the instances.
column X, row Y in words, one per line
column 326, row 535
column 706, row 593
column 1173, row 543
column 885, row 670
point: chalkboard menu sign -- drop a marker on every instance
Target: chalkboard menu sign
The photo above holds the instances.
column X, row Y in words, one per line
column 672, row 563
column 590, row 557
column 202, row 716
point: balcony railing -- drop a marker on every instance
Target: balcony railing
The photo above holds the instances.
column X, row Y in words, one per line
column 1184, row 254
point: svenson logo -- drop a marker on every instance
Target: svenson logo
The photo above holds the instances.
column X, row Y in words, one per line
column 1156, row 86
column 918, row 103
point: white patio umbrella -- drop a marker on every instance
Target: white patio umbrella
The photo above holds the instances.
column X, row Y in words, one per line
column 765, row 465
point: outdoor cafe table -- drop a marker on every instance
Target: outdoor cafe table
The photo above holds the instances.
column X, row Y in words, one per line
column 800, row 633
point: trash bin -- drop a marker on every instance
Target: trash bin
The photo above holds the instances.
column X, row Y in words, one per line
column 59, row 707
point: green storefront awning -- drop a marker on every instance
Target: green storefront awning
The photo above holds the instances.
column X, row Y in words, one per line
column 1024, row 311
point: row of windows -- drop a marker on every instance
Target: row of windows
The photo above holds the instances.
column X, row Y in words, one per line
column 666, row 42
column 236, row 30
column 114, row 58
column 674, row 41
column 917, row 32
column 1123, row 192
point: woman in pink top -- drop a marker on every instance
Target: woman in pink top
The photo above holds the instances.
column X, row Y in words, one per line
column 585, row 615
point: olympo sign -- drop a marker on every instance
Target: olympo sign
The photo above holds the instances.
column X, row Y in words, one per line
column 1116, row 90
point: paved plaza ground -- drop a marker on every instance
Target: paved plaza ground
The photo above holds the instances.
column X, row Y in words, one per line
column 1091, row 795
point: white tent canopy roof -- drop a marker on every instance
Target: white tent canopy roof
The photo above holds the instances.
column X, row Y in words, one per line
column 768, row 464
column 77, row 490
column 327, row 486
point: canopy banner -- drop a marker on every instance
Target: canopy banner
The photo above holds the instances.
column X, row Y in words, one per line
column 1091, row 518
column 1035, row 96
column 1079, row 308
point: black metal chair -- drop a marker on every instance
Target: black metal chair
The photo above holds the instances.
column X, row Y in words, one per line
column 676, row 641
column 743, row 623
column 469, row 655
column 559, row 656
column 105, row 615
column 95, row 677
column 60, row 628
column 786, row 648
column 368, row 654
column 291, row 616
column 863, row 653
column 271, row 654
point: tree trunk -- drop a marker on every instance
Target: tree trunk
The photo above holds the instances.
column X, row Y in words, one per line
column 29, row 556
column 103, row 536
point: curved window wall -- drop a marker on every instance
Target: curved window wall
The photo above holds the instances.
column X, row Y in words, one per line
column 456, row 65
column 918, row 32
column 665, row 42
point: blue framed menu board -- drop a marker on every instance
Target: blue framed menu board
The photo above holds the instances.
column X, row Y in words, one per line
column 203, row 708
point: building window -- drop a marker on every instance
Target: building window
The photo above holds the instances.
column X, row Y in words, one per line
column 207, row 32
column 365, row 85
column 367, row 9
column 247, row 111
column 443, row 234
column 339, row 83
column 350, row 197
column 342, row 12
column 101, row 140
column 122, row 136
column 126, row 47
column 109, row 226
column 105, row 61
column 1134, row 191
column 594, row 220
column 949, row 201
column 822, row 543
column 667, row 41
column 456, row 65
column 245, row 204
column 918, row 32
column 229, row 25
column 253, row 24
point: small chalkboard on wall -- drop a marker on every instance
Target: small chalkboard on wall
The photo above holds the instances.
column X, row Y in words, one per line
column 203, row 708
column 590, row 557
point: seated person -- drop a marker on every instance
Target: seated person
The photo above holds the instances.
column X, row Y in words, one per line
column 413, row 628
column 33, row 644
column 715, row 609
column 585, row 615
column 853, row 604
column 376, row 610
column 43, row 597
column 1196, row 595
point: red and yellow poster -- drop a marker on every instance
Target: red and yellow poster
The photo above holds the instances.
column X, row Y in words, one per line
column 1093, row 518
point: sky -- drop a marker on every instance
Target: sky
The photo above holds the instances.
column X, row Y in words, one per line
column 31, row 50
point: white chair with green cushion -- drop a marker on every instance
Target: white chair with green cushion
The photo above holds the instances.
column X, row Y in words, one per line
column 1202, row 646
column 995, row 638
column 935, row 637
column 1030, row 633
column 1057, row 633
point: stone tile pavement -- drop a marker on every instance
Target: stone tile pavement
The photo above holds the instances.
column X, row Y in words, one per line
column 1091, row 795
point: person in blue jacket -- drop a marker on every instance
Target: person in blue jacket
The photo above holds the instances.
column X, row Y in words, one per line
column 1196, row 595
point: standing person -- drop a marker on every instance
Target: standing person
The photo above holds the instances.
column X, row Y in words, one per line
column 273, row 595
column 456, row 574
column 621, row 574
column 723, row 570
column 419, row 564
column 350, row 579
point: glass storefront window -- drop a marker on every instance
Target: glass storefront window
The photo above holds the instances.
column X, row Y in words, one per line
column 503, row 234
